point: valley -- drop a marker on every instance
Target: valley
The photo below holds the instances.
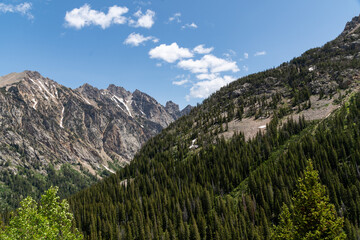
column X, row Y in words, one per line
column 270, row 155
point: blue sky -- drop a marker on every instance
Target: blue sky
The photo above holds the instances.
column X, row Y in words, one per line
column 172, row 50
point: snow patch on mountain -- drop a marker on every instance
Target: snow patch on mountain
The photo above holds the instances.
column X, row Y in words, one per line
column 35, row 103
column 123, row 103
column 110, row 170
column 45, row 88
column 62, row 117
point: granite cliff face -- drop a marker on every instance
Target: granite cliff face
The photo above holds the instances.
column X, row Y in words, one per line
column 43, row 122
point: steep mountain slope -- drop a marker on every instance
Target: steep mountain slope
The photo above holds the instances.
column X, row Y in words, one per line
column 44, row 126
column 223, row 171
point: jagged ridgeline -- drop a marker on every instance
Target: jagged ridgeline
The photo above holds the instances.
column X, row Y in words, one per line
column 224, row 171
column 54, row 135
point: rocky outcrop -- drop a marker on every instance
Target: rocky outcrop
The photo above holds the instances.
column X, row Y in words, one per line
column 351, row 26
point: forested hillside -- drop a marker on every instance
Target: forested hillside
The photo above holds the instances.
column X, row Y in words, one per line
column 199, row 180
column 231, row 190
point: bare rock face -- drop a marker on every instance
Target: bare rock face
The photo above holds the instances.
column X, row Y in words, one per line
column 173, row 109
column 43, row 122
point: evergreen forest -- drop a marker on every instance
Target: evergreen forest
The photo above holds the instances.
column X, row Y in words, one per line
column 229, row 190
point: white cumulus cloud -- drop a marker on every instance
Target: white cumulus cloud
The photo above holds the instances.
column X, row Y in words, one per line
column 208, row 70
column 181, row 82
column 175, row 17
column 260, row 53
column 85, row 16
column 143, row 20
column 135, row 39
column 170, row 53
column 246, row 55
column 208, row 63
column 22, row 8
column 202, row 50
column 205, row 76
column 203, row 89
column 192, row 25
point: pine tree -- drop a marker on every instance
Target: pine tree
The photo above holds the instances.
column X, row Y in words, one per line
column 285, row 229
column 194, row 232
column 311, row 215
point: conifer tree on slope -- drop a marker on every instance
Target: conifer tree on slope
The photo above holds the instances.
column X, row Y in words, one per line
column 311, row 216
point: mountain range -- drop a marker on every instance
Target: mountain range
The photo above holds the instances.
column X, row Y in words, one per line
column 221, row 170
column 46, row 126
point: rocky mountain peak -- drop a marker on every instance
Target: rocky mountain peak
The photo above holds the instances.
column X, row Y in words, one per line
column 87, row 86
column 172, row 105
column 139, row 93
column 32, row 74
column 351, row 26
column 119, row 91
column 172, row 108
column 88, row 91
column 12, row 78
column 15, row 77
